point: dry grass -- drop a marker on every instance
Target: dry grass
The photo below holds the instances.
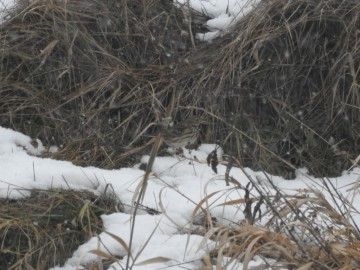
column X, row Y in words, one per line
column 306, row 230
column 44, row 229
column 281, row 90
column 86, row 75
column 284, row 84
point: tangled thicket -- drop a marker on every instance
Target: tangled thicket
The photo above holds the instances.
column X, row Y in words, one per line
column 283, row 86
column 85, row 75
column 281, row 89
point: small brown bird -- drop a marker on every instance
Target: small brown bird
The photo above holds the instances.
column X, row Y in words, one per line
column 183, row 134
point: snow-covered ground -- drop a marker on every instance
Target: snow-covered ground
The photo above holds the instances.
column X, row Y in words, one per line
column 175, row 187
column 222, row 13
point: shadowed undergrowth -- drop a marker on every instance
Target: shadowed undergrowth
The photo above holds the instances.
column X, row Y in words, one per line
column 44, row 229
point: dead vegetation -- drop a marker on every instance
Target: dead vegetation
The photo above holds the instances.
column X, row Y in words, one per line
column 280, row 90
column 44, row 229
column 86, row 75
column 284, row 85
column 307, row 230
